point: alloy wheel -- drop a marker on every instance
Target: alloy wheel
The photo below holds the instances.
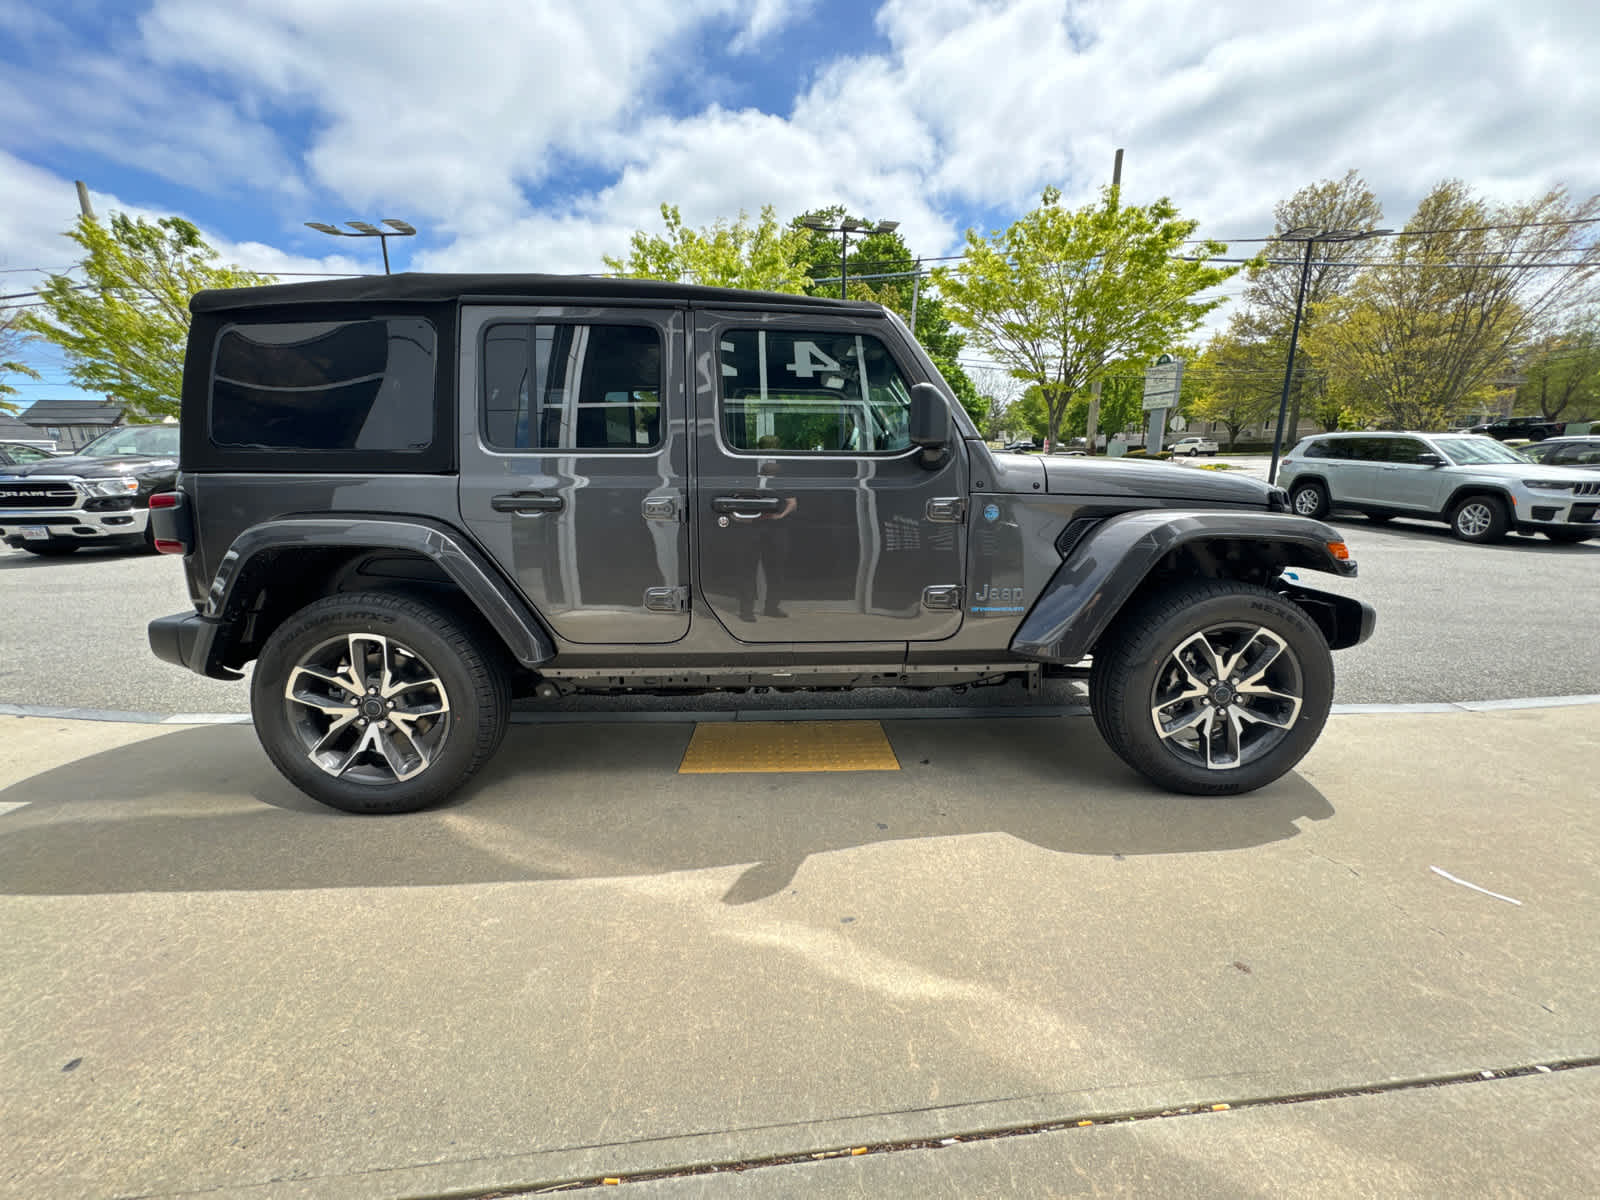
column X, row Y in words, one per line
column 1227, row 696
column 368, row 709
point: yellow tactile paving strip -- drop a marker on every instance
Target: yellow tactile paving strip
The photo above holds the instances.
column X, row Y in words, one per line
column 727, row 747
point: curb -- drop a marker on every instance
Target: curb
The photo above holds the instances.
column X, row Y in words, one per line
column 791, row 714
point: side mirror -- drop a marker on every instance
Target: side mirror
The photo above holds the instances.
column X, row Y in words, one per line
column 1429, row 459
column 929, row 425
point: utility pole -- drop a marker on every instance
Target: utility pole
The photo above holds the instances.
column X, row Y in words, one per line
column 83, row 199
column 1094, row 388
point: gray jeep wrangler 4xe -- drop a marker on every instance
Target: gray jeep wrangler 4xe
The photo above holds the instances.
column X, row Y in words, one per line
column 409, row 499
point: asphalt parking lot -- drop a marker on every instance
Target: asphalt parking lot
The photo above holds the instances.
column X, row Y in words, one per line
column 1455, row 622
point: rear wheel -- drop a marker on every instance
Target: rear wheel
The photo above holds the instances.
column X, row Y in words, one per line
column 378, row 703
column 1480, row 519
column 1212, row 688
column 1309, row 499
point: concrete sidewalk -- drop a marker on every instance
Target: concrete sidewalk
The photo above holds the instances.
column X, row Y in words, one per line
column 596, row 967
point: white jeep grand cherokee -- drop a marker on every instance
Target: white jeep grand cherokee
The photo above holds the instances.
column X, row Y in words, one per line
column 1482, row 488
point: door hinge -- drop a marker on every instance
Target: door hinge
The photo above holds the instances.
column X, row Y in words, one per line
column 947, row 508
column 666, row 599
column 942, row 596
column 661, row 508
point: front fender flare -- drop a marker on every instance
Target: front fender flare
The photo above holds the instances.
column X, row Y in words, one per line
column 507, row 613
column 1109, row 564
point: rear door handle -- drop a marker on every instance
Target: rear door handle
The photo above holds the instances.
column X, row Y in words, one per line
column 741, row 506
column 527, row 503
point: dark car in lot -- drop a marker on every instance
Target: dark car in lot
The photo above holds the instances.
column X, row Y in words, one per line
column 407, row 499
column 1580, row 451
column 19, row 454
column 1534, row 429
column 98, row 496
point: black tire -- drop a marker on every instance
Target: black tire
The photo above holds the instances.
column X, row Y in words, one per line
column 424, row 643
column 1309, row 499
column 1480, row 519
column 51, row 549
column 1136, row 663
column 1567, row 537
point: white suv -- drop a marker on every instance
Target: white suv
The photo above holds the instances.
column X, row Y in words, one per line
column 1482, row 488
column 1192, row 446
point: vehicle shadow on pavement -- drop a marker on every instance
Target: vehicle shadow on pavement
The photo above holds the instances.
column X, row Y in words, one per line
column 22, row 560
column 203, row 810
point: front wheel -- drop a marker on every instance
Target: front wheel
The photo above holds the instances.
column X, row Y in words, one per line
column 1212, row 688
column 377, row 703
column 1480, row 519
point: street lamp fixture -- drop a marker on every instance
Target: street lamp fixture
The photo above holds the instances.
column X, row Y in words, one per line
column 844, row 229
column 1310, row 235
column 367, row 229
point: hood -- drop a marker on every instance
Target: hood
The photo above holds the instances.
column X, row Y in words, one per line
column 81, row 467
column 1528, row 470
column 1067, row 475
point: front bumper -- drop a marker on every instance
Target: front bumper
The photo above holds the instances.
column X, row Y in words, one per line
column 1545, row 510
column 19, row 527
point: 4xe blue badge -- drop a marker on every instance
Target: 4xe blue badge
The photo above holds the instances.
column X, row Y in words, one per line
column 991, row 512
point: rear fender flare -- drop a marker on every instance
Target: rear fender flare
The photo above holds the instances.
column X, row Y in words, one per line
column 461, row 561
column 1110, row 564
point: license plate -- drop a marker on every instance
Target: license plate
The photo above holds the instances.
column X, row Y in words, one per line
column 34, row 533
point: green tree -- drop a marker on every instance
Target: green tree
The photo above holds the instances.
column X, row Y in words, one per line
column 124, row 327
column 1562, row 374
column 1424, row 333
column 1270, row 300
column 1238, row 382
column 1059, row 295
column 870, row 259
column 12, row 336
column 761, row 256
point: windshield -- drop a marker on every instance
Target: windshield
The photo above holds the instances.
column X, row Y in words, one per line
column 1477, row 450
column 134, row 439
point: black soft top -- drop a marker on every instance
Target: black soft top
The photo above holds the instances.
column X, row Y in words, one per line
column 414, row 286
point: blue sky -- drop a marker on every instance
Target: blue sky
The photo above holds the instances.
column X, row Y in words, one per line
column 537, row 136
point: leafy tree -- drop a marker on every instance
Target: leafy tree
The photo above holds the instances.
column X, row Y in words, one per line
column 763, row 256
column 1424, row 333
column 1562, row 374
column 1238, row 380
column 881, row 254
column 124, row 329
column 12, row 336
column 1329, row 204
column 1058, row 295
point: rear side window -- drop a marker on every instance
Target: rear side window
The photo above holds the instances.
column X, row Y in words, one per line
column 550, row 386
column 325, row 385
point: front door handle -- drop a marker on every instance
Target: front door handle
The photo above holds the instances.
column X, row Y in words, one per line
column 746, row 506
column 527, row 503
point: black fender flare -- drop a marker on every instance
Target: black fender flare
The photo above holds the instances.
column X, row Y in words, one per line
column 1109, row 564
column 461, row 561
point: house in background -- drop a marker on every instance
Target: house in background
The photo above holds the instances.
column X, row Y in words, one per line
column 13, row 429
column 71, row 423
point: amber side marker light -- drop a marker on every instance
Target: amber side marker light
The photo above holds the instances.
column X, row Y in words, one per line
column 1339, row 550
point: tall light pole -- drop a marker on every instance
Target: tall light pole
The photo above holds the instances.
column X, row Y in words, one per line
column 1310, row 235
column 844, row 229
column 366, row 229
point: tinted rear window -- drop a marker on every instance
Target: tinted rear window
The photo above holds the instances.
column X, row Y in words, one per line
column 325, row 385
